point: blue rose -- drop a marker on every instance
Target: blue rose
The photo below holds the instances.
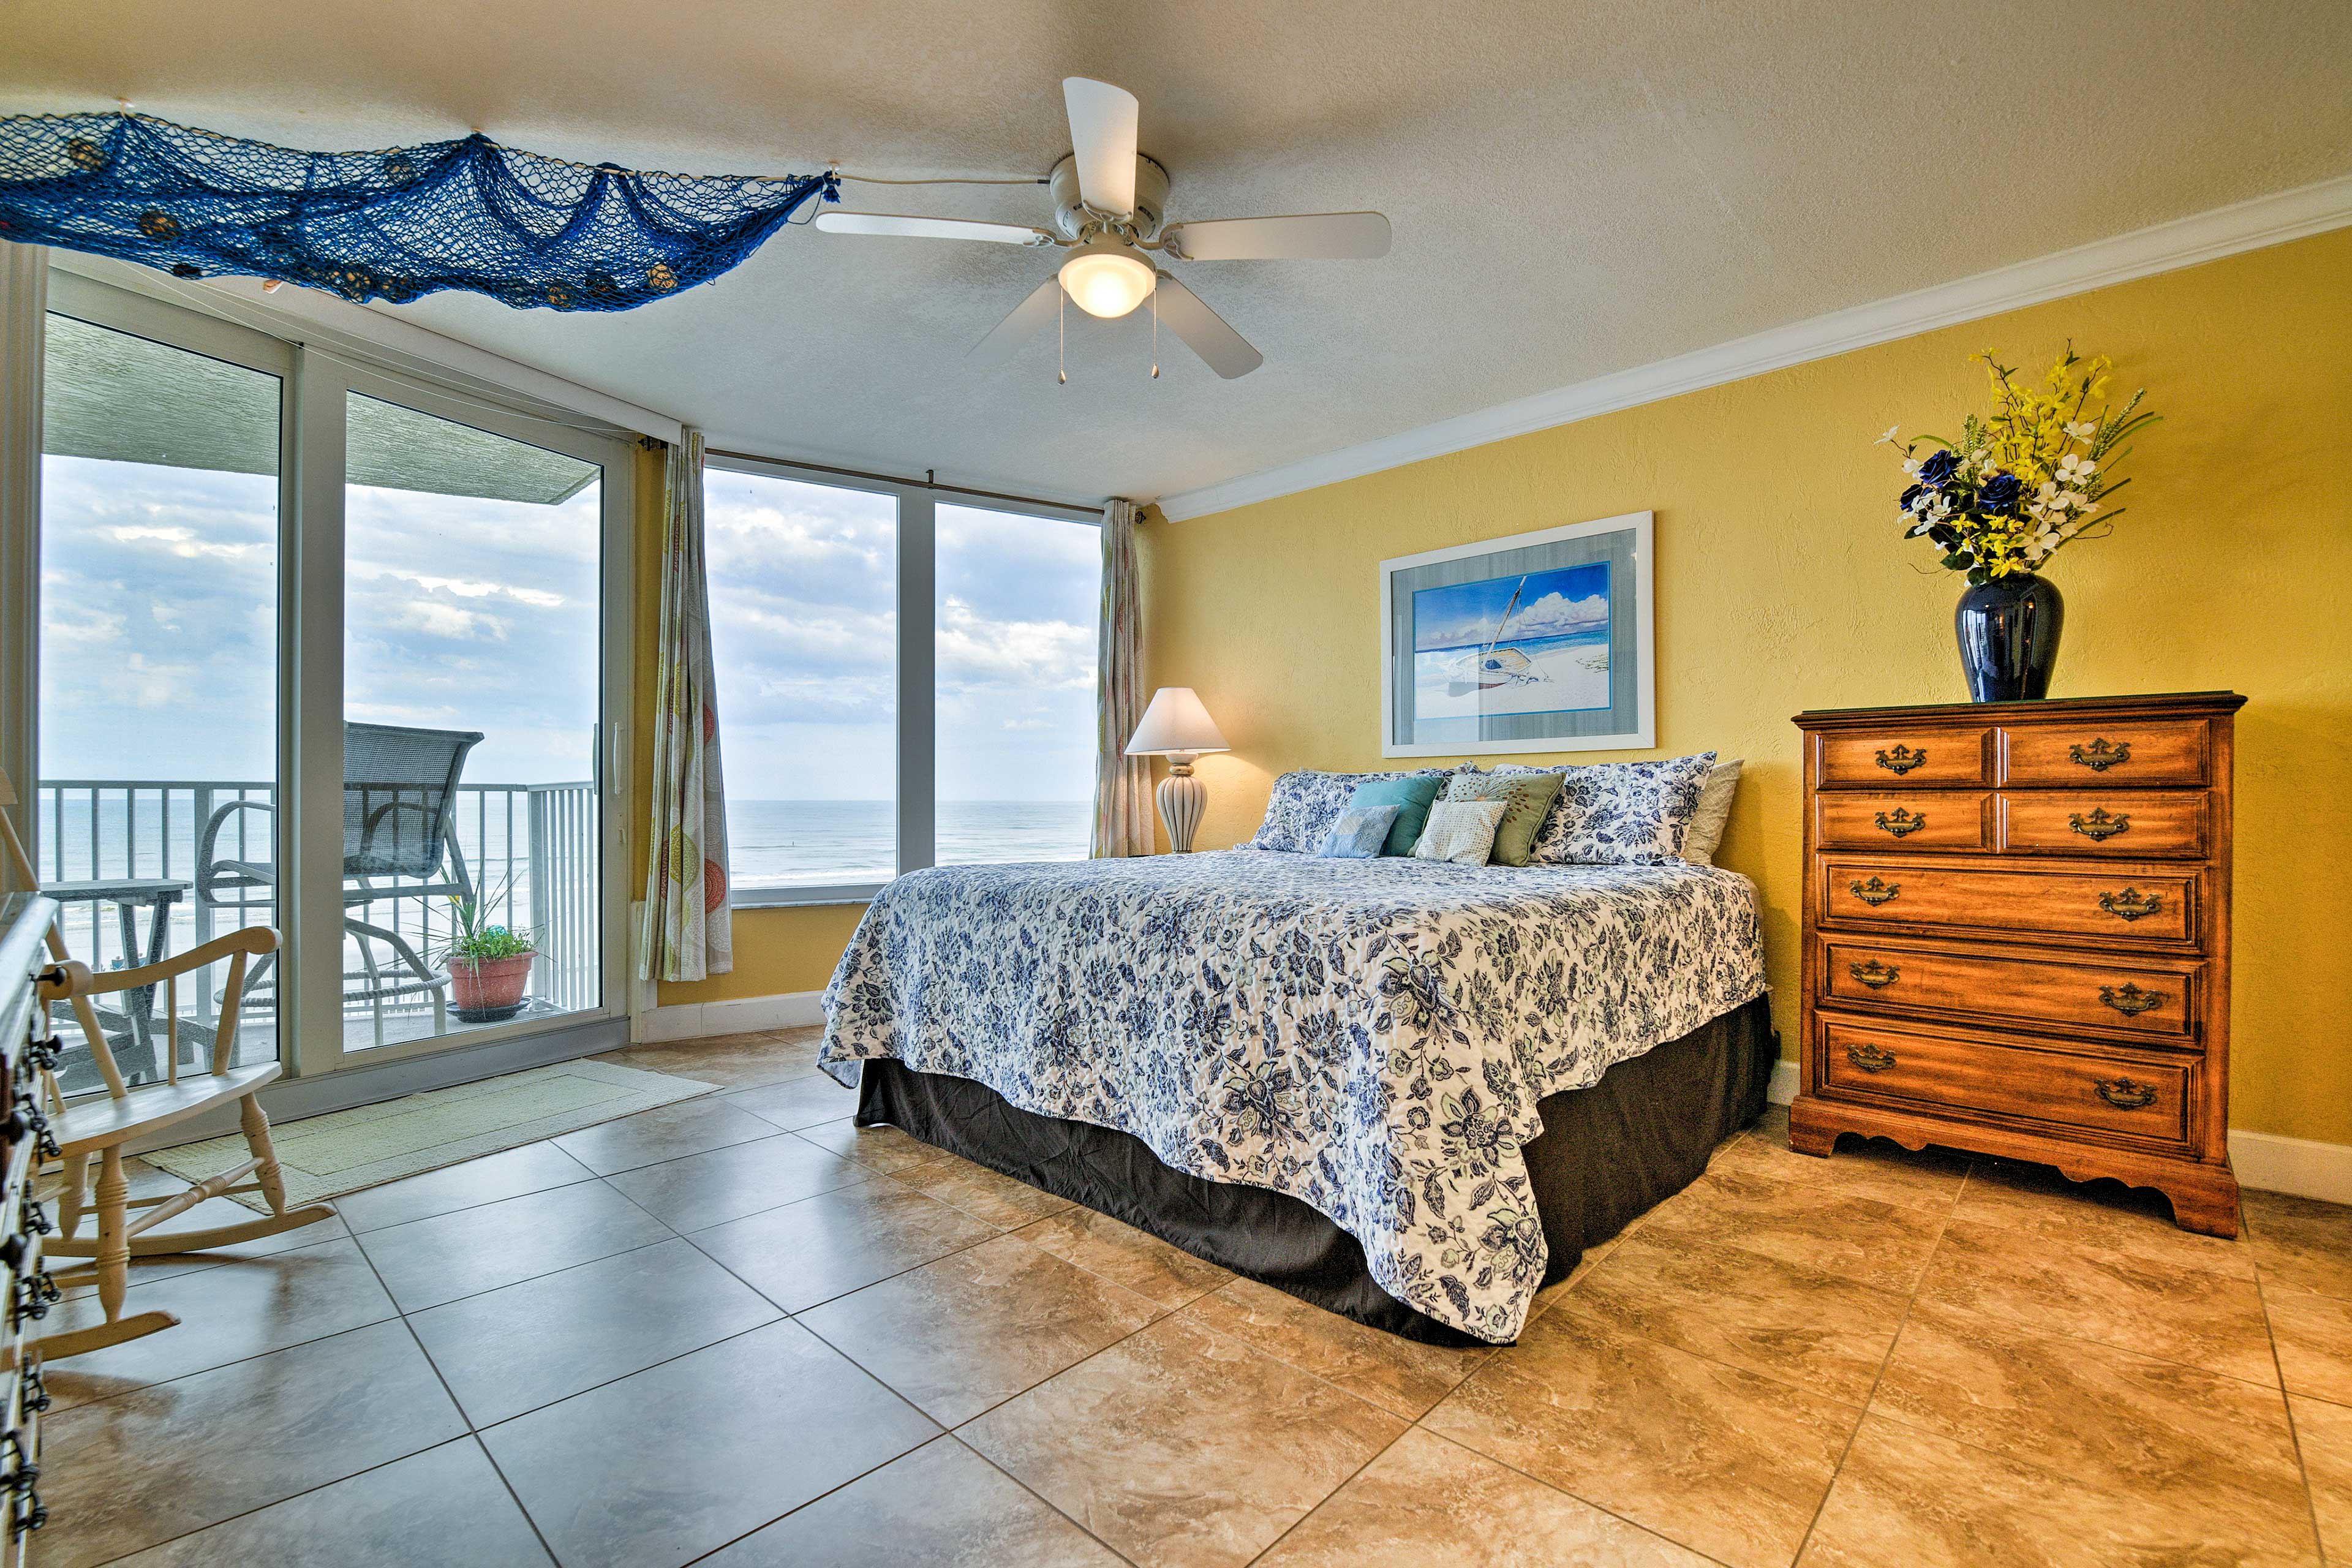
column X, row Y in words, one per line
column 1938, row 469
column 1998, row 494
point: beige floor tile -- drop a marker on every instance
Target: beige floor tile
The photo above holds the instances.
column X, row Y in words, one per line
column 1399, row 1375
column 1125, row 1256
column 248, row 1307
column 1881, row 1245
column 658, row 1468
column 1183, row 1449
column 711, row 1188
column 883, row 1149
column 977, row 1327
column 444, row 1508
column 2314, row 1336
column 731, row 1061
column 1910, row 1498
column 1426, row 1501
column 2302, row 1243
column 665, row 1133
column 1725, row 1461
column 216, row 1212
column 2095, row 1292
column 510, row 1174
column 978, row 1191
column 2040, row 1201
column 2324, row 1432
column 802, row 1102
column 242, row 1436
column 1595, row 1256
column 512, row 1349
column 2107, row 1419
column 941, row 1506
column 813, row 1250
column 1862, row 1167
column 428, row 1261
column 1814, row 1330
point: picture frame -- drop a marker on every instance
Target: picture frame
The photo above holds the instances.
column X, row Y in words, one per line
column 1533, row 642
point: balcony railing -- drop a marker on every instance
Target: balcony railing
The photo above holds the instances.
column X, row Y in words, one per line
column 530, row 850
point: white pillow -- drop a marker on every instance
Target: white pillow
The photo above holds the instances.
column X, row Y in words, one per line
column 1712, row 815
column 1461, row 831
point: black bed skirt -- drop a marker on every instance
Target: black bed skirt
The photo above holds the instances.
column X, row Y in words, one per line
column 1607, row 1155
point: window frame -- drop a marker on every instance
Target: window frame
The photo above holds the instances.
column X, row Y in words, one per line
column 915, row 807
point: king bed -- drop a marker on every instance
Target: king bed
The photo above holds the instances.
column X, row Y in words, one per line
column 1408, row 1091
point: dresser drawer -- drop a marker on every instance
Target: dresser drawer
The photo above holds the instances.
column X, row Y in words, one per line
column 2133, row 909
column 2119, row 752
column 1923, row 757
column 2029, row 992
column 2070, row 1087
column 2161, row 825
column 1917, row 819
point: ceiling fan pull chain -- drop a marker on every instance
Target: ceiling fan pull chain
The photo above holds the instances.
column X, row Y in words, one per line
column 1062, row 326
column 1155, row 334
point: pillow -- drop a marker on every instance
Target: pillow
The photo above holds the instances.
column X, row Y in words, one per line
column 1358, row 834
column 1530, row 796
column 1619, row 814
column 1412, row 798
column 1714, row 813
column 1305, row 802
column 1461, row 831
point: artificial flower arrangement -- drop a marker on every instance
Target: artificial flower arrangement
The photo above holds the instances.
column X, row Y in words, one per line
column 2023, row 482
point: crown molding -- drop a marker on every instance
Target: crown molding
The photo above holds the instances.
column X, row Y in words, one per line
column 2162, row 248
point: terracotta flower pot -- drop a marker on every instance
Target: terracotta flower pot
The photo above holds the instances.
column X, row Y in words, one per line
column 489, row 989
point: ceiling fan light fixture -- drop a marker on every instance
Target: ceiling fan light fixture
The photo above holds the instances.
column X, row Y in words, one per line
column 1105, row 277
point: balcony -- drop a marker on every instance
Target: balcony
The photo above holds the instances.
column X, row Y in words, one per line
column 531, row 848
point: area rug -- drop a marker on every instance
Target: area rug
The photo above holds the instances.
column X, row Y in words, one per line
column 327, row 1156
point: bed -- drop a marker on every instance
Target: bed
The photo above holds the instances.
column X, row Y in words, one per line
column 1405, row 1090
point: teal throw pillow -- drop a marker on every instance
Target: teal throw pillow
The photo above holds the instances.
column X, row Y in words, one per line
column 1413, row 799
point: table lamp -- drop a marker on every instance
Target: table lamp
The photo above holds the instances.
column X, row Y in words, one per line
column 1178, row 728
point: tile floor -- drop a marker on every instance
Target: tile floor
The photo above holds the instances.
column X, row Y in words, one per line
column 740, row 1331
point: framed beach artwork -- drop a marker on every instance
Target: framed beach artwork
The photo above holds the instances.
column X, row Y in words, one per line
column 1540, row 642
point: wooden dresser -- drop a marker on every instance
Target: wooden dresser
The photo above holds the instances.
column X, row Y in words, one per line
column 2017, row 937
column 25, row 1048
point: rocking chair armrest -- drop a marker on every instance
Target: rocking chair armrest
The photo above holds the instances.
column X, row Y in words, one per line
column 73, row 979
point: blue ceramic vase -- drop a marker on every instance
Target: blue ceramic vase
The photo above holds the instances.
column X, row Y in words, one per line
column 2009, row 637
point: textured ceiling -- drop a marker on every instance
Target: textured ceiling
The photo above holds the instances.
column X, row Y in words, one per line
column 1577, row 188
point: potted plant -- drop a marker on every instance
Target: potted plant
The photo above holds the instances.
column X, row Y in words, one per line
column 489, row 965
column 2014, row 489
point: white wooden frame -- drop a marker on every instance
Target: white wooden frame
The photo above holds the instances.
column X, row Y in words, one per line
column 1643, row 737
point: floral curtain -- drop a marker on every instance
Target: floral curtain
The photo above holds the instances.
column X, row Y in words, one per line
column 1122, row 783
column 688, row 934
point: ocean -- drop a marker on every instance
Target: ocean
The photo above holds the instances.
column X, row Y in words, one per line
column 798, row 843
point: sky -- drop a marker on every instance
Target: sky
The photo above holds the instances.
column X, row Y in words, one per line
column 1555, row 604
column 158, row 615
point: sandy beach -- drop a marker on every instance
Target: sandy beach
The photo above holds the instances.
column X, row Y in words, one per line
column 1572, row 673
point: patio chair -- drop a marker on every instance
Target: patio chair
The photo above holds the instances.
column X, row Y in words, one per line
column 400, row 841
column 100, row 1125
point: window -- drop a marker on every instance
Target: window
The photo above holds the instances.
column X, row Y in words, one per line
column 901, row 682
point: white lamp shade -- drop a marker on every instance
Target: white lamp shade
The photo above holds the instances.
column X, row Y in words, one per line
column 1175, row 724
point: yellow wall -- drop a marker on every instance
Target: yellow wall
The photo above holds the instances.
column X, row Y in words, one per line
column 776, row 950
column 1782, row 585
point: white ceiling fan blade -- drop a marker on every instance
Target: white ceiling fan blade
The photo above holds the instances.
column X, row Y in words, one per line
column 931, row 227
column 1204, row 332
column 1028, row 318
column 1103, row 121
column 1312, row 236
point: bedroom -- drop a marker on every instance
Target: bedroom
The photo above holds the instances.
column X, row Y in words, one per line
column 1185, row 1013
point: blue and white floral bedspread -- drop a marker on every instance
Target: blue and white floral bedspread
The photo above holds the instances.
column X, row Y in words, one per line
column 1370, row 1037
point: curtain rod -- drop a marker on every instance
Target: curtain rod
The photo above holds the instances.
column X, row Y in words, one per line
column 926, row 483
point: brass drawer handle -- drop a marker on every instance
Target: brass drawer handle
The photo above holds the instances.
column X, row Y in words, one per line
column 2129, row 1000
column 2128, row 905
column 1875, row 891
column 2124, row 1094
column 2101, row 754
column 1870, row 1057
column 1901, row 760
column 1900, row 823
column 2099, row 827
column 1875, row 975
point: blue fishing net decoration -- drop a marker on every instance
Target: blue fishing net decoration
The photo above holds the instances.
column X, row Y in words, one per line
column 396, row 225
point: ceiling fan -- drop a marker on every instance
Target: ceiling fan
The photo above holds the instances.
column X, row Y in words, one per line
column 1109, row 203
